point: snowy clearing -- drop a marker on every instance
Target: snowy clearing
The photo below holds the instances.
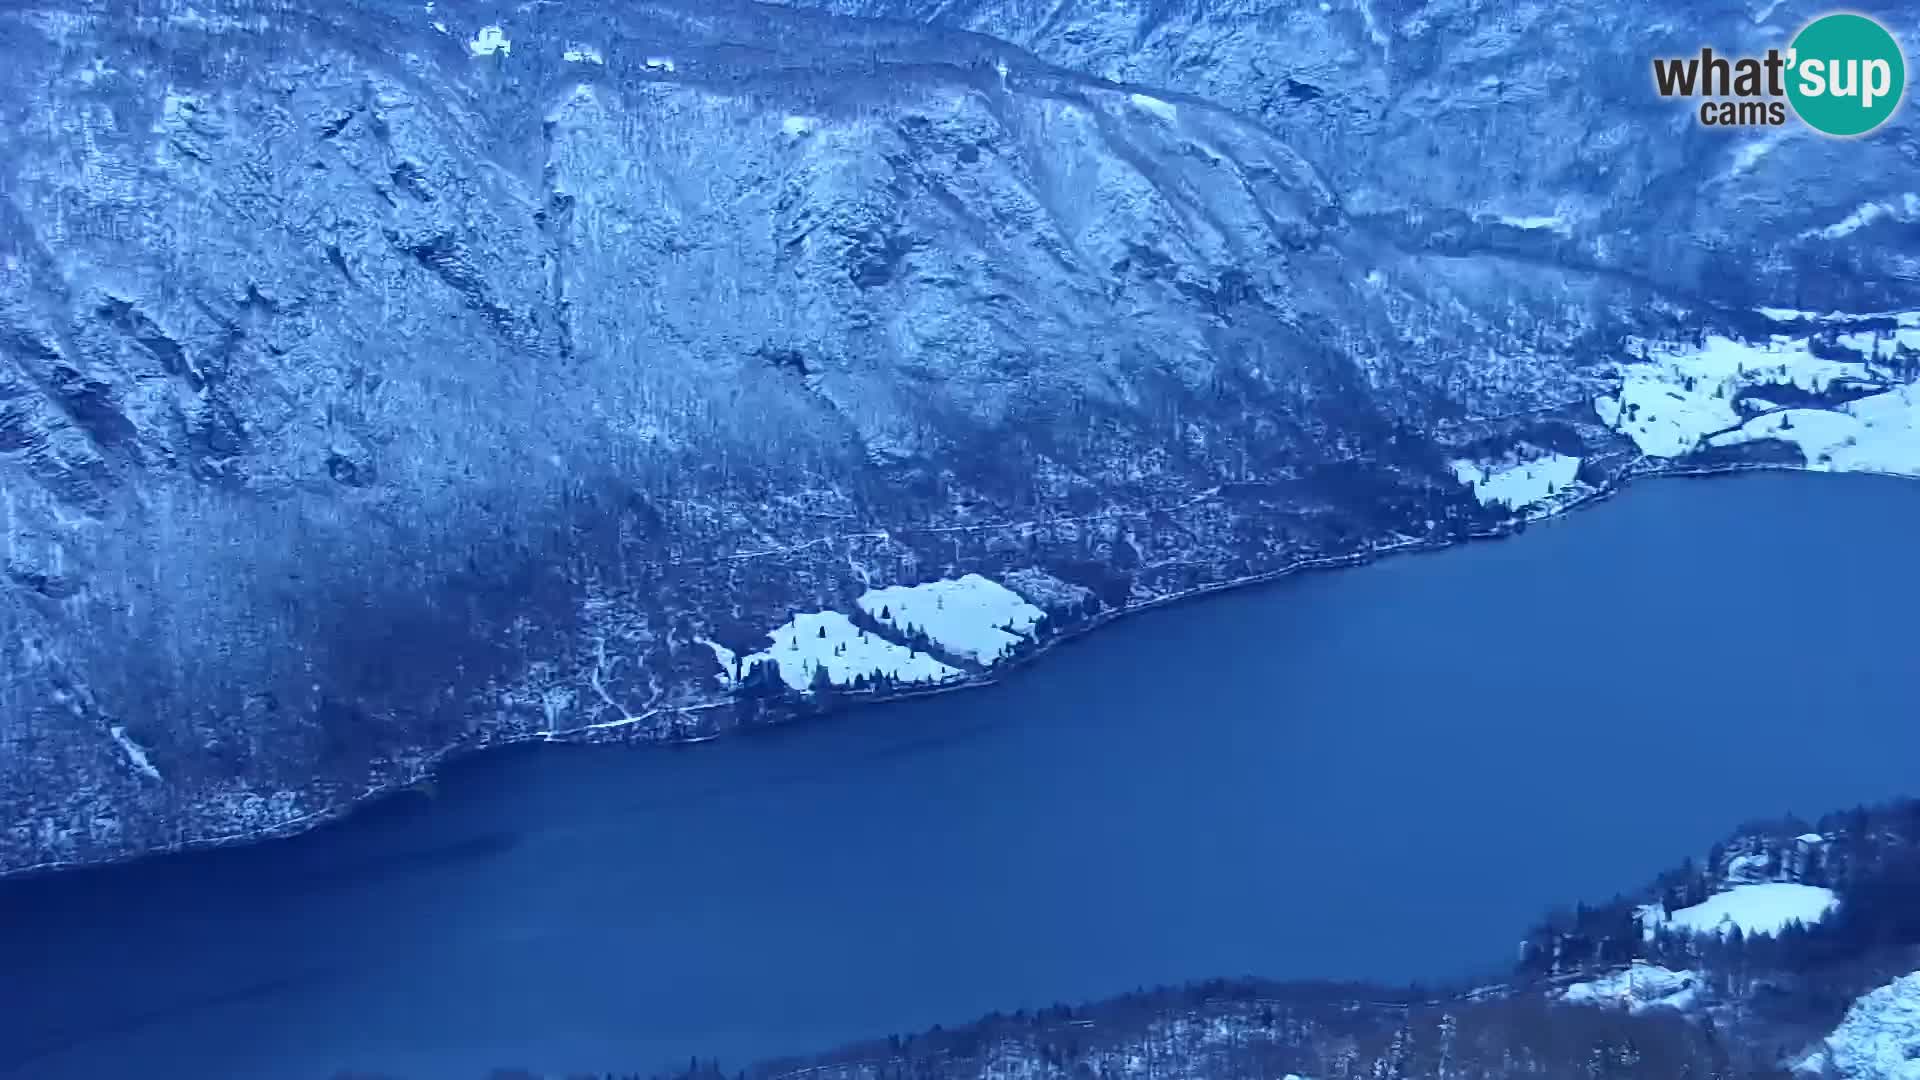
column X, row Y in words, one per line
column 661, row 63
column 829, row 640
column 490, row 40
column 1683, row 395
column 1518, row 486
column 1879, row 1039
column 797, row 126
column 971, row 616
column 583, row 54
column 1756, row 909
column 1640, row 987
column 1880, row 433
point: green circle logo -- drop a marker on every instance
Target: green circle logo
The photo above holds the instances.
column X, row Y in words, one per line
column 1846, row 74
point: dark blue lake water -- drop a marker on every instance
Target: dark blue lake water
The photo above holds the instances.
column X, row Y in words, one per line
column 1387, row 771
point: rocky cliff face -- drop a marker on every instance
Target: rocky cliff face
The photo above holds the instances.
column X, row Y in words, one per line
column 379, row 379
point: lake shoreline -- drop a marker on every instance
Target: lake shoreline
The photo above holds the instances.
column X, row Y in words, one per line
column 614, row 732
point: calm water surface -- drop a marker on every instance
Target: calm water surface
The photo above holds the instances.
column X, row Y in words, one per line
column 1380, row 772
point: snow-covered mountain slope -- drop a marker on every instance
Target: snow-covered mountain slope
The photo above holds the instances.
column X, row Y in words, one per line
column 378, row 382
column 1524, row 127
column 1879, row 1040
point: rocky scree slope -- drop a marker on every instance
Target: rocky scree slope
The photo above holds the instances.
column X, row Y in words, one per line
column 378, row 381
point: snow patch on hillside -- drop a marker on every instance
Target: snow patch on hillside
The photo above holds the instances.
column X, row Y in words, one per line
column 1556, row 223
column 583, row 54
column 136, row 754
column 1518, row 485
column 490, row 40
column 1651, row 918
column 1765, row 908
column 1880, row 1037
column 1749, row 154
column 728, row 660
column 971, row 616
column 1638, row 988
column 1165, row 110
column 1374, row 32
column 828, row 640
column 1865, row 215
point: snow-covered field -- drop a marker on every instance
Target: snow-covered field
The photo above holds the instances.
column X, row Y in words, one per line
column 1640, row 987
column 828, row 639
column 1880, row 433
column 971, row 616
column 1878, row 1040
column 1684, row 398
column 1518, row 485
column 1764, row 908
